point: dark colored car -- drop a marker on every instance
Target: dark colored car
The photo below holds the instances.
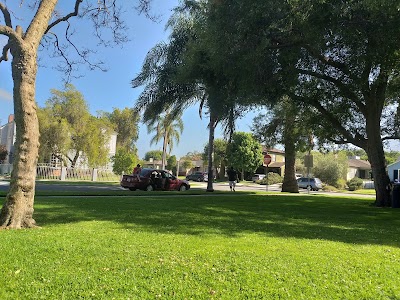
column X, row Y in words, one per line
column 154, row 180
column 314, row 184
column 196, row 176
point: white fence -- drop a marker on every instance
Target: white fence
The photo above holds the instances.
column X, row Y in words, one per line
column 47, row 172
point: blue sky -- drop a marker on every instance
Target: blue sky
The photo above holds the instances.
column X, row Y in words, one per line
column 107, row 90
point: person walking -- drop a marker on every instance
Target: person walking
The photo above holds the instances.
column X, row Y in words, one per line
column 233, row 178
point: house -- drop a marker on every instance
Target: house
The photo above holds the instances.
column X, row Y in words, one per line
column 277, row 164
column 394, row 171
column 7, row 138
column 358, row 168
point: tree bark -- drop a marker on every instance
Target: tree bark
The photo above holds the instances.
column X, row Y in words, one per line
column 17, row 211
column 289, row 180
column 211, row 129
column 376, row 157
column 164, row 151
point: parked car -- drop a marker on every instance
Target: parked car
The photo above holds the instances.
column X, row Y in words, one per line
column 153, row 179
column 196, row 176
column 315, row 184
column 257, row 177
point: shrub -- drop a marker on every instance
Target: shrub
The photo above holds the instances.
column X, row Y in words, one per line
column 355, row 184
column 329, row 188
column 341, row 184
column 273, row 178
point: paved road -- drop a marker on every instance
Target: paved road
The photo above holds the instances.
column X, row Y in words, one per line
column 224, row 186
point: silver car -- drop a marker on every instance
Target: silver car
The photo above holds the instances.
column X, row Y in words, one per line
column 313, row 183
column 257, row 177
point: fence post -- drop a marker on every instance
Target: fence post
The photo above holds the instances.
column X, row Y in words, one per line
column 94, row 175
column 63, row 173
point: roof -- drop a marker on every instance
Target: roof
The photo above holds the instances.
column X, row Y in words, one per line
column 272, row 150
column 359, row 164
column 394, row 163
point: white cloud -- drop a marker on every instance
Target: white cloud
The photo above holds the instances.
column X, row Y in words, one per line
column 4, row 95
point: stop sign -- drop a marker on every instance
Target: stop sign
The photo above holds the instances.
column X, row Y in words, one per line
column 267, row 159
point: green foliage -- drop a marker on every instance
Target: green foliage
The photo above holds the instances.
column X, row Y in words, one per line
column 355, row 184
column 391, row 157
column 244, row 152
column 203, row 247
column 172, row 164
column 187, row 164
column 219, row 152
column 124, row 162
column 126, row 123
column 273, row 178
column 341, row 184
column 329, row 167
column 155, row 154
column 67, row 130
column 3, row 153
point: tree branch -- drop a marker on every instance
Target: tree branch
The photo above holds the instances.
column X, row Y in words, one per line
column 6, row 14
column 344, row 88
column 66, row 17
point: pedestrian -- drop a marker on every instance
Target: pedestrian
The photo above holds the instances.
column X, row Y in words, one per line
column 232, row 177
column 137, row 170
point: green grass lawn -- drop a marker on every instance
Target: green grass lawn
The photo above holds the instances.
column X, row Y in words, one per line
column 214, row 246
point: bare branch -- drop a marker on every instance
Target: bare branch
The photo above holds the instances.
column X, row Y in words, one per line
column 65, row 18
column 6, row 14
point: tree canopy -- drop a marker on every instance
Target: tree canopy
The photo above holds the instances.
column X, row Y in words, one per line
column 244, row 153
column 68, row 131
column 328, row 57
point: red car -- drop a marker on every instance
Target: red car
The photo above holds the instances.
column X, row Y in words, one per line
column 153, row 179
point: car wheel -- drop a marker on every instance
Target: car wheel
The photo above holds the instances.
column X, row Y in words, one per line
column 132, row 189
column 149, row 188
column 182, row 188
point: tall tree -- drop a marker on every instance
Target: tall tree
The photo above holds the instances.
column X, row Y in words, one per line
column 168, row 128
column 68, row 131
column 283, row 124
column 182, row 73
column 244, row 153
column 126, row 124
column 338, row 59
column 17, row 211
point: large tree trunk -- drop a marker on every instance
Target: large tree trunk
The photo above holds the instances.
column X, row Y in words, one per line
column 289, row 180
column 376, row 157
column 210, row 184
column 17, row 211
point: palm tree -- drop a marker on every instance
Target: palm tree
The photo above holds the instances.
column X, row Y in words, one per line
column 175, row 76
column 168, row 128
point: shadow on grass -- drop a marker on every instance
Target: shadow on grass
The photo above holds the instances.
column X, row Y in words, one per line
column 347, row 220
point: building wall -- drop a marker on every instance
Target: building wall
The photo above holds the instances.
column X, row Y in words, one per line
column 351, row 173
column 7, row 138
column 393, row 170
